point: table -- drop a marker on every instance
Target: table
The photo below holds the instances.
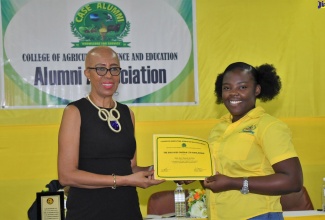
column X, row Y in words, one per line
column 306, row 214
column 288, row 215
column 170, row 216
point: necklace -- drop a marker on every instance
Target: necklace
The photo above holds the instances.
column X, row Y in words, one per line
column 108, row 115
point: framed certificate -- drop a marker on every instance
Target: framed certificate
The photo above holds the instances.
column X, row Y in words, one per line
column 179, row 157
column 50, row 205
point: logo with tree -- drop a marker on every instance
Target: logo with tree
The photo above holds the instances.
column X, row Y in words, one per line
column 100, row 24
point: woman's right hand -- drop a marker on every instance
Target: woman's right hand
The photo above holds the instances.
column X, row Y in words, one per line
column 218, row 183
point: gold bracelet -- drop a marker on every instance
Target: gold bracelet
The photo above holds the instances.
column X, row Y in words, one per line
column 114, row 181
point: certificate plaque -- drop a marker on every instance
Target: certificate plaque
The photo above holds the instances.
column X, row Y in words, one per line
column 179, row 157
column 50, row 205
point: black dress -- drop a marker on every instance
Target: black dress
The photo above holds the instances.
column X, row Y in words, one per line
column 103, row 151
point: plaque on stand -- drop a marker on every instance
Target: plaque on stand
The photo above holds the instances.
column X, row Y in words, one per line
column 50, row 205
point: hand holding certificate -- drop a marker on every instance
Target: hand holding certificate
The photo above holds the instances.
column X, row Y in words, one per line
column 179, row 157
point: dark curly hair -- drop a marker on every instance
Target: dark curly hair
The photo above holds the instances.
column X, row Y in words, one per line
column 264, row 75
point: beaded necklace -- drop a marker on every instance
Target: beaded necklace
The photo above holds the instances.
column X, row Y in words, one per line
column 108, row 115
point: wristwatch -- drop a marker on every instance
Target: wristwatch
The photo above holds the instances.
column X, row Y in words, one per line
column 245, row 189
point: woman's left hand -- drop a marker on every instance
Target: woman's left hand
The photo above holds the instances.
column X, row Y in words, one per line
column 143, row 179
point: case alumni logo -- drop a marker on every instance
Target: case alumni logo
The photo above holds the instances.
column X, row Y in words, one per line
column 100, row 24
column 249, row 129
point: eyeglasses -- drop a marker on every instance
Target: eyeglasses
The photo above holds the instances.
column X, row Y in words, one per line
column 101, row 71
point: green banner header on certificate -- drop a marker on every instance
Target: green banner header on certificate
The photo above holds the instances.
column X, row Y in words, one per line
column 180, row 157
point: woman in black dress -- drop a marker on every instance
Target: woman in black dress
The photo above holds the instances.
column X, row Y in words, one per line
column 97, row 148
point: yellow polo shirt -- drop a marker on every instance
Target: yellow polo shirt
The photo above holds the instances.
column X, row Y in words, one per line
column 247, row 148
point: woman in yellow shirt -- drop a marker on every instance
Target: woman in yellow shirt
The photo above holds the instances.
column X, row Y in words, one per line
column 254, row 157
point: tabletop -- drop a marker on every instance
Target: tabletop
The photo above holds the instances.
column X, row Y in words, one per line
column 288, row 215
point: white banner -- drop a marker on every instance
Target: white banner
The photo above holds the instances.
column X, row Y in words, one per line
column 45, row 43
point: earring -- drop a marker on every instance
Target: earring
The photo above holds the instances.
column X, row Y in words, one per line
column 88, row 79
